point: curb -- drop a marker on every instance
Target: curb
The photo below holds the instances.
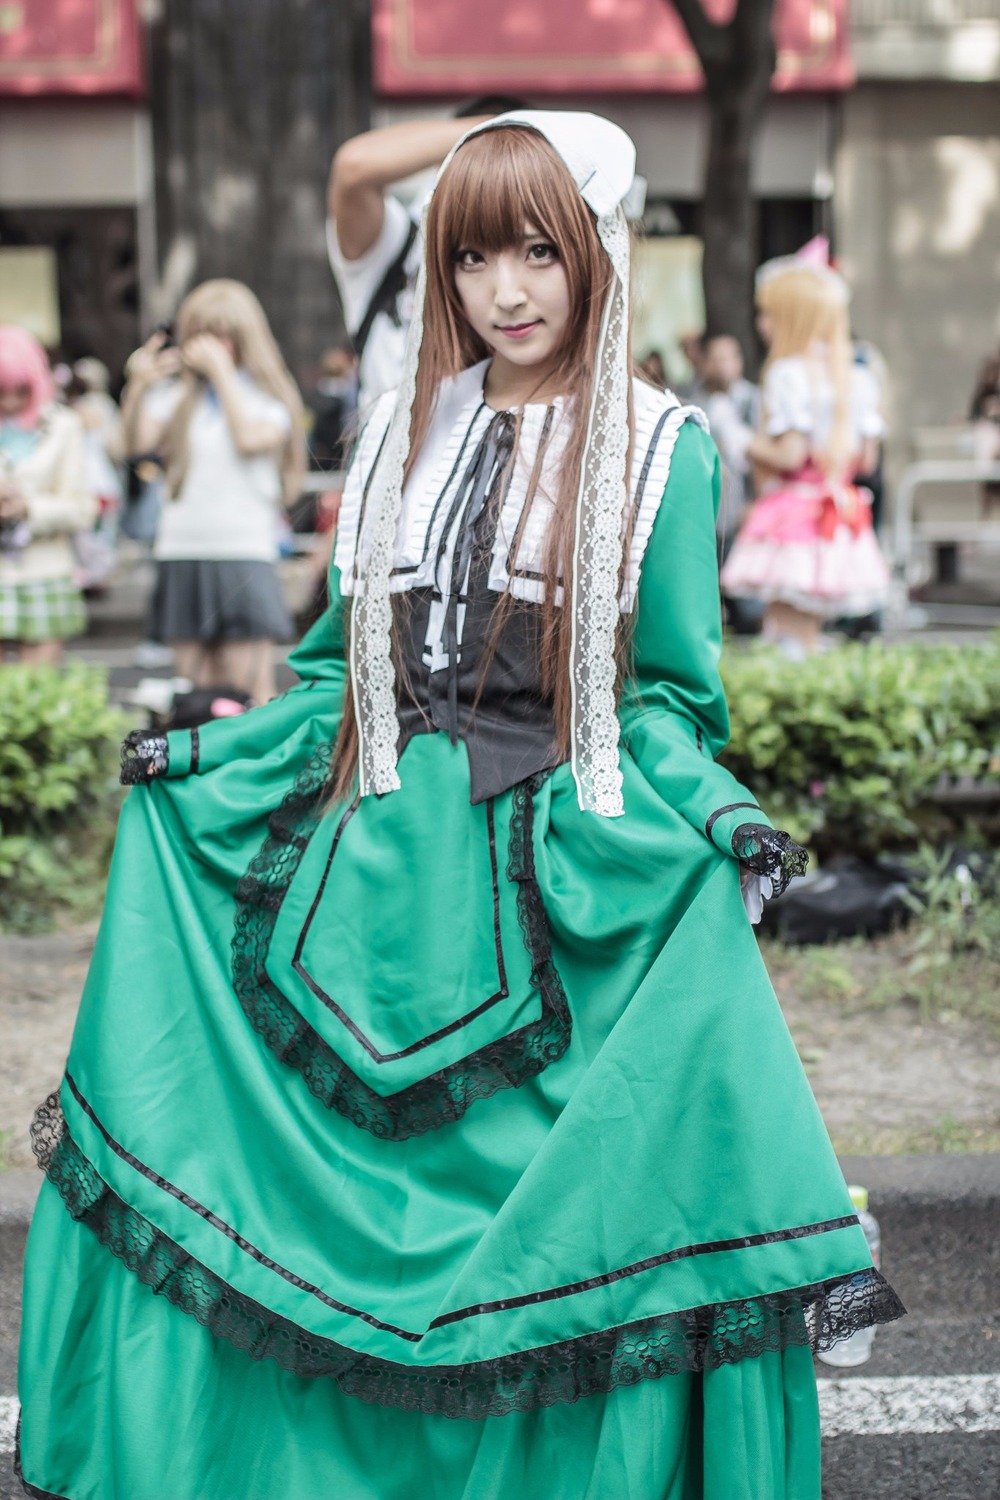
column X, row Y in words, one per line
column 939, row 1217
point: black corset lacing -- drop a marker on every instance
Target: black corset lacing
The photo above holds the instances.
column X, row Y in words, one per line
column 485, row 483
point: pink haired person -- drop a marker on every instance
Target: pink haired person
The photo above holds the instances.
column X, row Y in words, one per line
column 44, row 501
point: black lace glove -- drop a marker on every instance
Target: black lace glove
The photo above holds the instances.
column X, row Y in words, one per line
column 144, row 756
column 767, row 851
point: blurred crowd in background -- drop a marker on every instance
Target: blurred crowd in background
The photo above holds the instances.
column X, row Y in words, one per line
column 203, row 455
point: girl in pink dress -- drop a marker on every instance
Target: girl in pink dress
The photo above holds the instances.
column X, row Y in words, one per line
column 808, row 549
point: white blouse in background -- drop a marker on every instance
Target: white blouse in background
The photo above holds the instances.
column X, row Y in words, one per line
column 229, row 503
column 798, row 396
column 358, row 281
column 52, row 476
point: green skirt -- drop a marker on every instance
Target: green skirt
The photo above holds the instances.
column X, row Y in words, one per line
column 414, row 1147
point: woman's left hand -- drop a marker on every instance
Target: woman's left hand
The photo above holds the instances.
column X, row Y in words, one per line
column 755, row 889
column 13, row 506
column 208, row 356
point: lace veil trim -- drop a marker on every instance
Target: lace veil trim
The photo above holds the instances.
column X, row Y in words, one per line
column 597, row 550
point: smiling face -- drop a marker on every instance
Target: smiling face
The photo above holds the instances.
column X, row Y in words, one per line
column 517, row 299
column 515, row 272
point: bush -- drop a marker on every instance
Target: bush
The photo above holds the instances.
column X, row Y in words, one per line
column 952, row 953
column 854, row 750
column 58, row 791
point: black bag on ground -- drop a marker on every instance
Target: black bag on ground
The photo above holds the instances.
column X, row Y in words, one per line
column 846, row 898
column 196, row 707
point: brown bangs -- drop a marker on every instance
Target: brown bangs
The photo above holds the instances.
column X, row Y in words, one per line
column 497, row 181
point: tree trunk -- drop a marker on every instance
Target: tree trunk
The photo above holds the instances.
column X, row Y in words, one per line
column 248, row 104
column 728, row 218
column 738, row 60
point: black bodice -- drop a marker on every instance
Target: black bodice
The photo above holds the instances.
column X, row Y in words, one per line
column 503, row 714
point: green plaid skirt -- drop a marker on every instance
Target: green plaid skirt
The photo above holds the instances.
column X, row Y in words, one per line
column 50, row 610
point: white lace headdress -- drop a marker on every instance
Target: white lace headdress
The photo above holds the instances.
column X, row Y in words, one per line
column 601, row 160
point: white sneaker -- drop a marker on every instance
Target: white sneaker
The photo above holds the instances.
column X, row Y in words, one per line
column 152, row 654
column 157, row 693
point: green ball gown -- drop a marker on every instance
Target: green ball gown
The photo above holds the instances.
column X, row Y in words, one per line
column 440, row 1148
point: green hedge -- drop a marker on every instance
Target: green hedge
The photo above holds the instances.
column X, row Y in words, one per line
column 58, row 795
column 849, row 750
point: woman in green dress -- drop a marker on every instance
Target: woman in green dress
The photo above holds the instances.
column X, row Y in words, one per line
column 430, row 1126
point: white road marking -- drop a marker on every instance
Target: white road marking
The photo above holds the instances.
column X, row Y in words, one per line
column 8, row 1422
column 868, row 1406
column 855, row 1407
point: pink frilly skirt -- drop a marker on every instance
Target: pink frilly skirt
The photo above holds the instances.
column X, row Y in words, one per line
column 810, row 544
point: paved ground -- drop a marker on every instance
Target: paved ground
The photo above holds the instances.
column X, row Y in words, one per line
column 920, row 1421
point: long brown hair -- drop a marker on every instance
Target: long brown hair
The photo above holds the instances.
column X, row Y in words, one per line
column 498, row 181
column 809, row 319
column 230, row 309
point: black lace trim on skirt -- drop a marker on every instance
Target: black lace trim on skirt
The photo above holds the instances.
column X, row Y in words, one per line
column 701, row 1338
column 441, row 1097
column 27, row 1487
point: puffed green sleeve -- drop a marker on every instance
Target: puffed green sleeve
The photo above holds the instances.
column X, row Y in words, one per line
column 320, row 661
column 674, row 716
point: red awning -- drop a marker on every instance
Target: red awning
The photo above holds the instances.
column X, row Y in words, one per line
column 593, row 46
column 69, row 47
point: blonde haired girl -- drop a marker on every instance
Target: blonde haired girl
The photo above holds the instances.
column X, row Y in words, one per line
column 223, row 413
column 808, row 549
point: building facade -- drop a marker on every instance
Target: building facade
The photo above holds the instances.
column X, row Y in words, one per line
column 917, row 199
column 154, row 143
column 883, row 131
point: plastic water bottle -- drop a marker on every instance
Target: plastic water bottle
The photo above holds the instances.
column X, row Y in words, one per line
column 857, row 1349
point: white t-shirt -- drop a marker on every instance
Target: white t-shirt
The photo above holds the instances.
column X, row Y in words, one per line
column 358, row 281
column 798, row 396
column 229, row 503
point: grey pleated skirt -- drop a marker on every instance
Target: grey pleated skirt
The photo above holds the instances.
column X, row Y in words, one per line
column 218, row 601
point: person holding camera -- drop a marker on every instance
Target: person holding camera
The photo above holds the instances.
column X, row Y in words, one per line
column 223, row 415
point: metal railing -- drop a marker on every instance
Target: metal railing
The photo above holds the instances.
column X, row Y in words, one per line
column 906, row 530
column 871, row 14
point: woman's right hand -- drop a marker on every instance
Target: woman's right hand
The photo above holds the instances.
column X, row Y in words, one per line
column 13, row 506
column 153, row 361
